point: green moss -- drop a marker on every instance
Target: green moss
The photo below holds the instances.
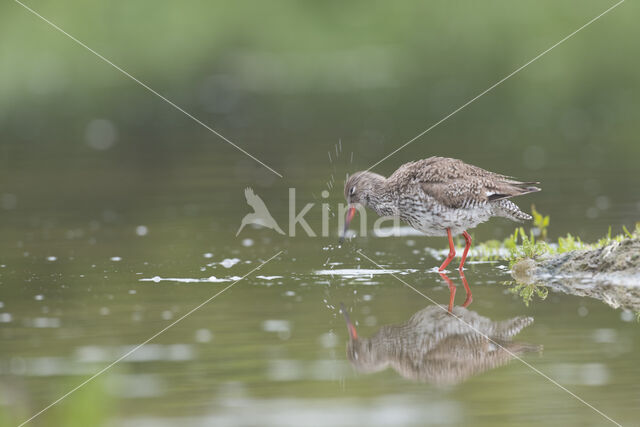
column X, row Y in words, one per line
column 521, row 245
column 528, row 247
column 569, row 243
column 488, row 251
column 534, row 244
column 526, row 291
column 541, row 222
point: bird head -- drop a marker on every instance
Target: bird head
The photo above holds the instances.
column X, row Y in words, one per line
column 361, row 352
column 358, row 190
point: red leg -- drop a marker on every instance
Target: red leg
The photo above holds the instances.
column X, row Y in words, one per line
column 467, row 239
column 452, row 251
column 452, row 290
column 467, row 289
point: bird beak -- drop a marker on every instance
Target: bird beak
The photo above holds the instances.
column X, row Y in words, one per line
column 352, row 329
column 350, row 214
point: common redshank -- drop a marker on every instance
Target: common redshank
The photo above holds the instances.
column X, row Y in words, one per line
column 439, row 196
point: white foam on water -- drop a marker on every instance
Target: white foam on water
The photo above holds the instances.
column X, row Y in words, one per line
column 226, row 263
column 360, row 272
column 229, row 262
column 214, row 279
column 211, row 279
column 142, row 230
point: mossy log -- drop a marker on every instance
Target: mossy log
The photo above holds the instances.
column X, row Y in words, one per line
column 610, row 273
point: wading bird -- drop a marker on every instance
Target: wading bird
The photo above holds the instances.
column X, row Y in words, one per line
column 438, row 196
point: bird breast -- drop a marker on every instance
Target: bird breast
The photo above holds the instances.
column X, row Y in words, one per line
column 432, row 218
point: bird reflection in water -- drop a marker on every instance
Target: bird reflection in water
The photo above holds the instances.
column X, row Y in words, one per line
column 452, row 290
column 437, row 347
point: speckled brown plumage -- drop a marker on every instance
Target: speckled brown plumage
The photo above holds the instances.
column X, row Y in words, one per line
column 440, row 196
column 455, row 184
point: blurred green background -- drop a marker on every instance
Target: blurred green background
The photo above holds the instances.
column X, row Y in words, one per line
column 287, row 80
column 87, row 156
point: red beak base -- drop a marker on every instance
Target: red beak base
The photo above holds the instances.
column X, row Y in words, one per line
column 350, row 214
column 352, row 329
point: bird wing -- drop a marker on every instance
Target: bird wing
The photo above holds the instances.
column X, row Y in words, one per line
column 255, row 201
column 456, row 184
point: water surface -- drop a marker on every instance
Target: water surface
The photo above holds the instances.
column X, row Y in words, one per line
column 272, row 349
column 118, row 214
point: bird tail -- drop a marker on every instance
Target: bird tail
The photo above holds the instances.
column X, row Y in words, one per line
column 511, row 188
column 508, row 209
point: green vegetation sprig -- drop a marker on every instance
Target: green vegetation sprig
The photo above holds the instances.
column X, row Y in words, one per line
column 534, row 244
column 527, row 290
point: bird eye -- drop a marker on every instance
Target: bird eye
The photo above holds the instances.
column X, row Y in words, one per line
column 352, row 191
